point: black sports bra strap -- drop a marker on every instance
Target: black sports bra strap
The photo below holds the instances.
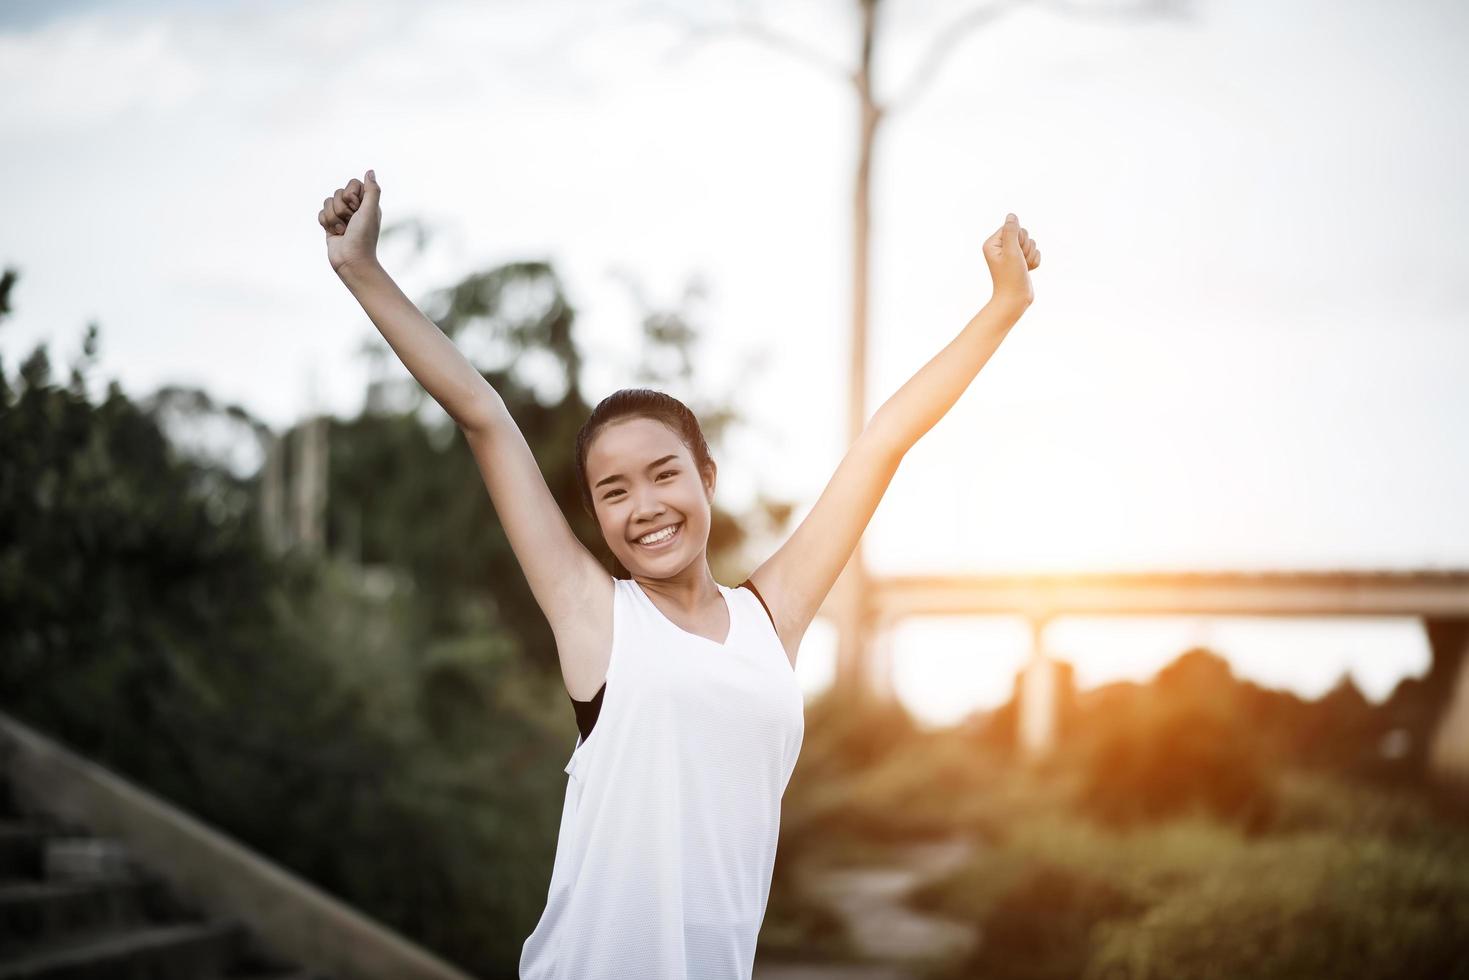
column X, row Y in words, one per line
column 747, row 584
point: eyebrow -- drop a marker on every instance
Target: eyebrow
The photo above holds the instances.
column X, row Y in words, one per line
column 619, row 476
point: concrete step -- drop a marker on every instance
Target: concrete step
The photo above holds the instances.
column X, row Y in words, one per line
column 21, row 849
column 34, row 912
column 34, row 849
column 82, row 858
column 78, row 907
column 178, row 951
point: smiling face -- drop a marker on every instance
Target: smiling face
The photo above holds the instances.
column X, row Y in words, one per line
column 643, row 478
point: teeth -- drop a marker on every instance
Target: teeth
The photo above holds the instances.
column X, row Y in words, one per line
column 658, row 536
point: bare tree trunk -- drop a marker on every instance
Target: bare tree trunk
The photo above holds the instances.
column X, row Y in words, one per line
column 851, row 594
column 853, row 660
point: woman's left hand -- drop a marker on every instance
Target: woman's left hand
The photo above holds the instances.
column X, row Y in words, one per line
column 1011, row 253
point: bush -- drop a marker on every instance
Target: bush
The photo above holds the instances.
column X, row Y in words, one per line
column 1181, row 750
column 1039, row 928
column 1312, row 906
column 1308, row 802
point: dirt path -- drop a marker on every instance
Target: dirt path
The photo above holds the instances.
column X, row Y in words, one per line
column 804, row 971
column 891, row 936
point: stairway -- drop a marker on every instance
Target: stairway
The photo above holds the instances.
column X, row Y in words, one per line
column 77, row 907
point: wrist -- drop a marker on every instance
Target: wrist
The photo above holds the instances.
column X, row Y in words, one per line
column 1009, row 305
column 356, row 271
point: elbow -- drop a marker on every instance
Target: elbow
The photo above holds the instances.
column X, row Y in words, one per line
column 883, row 441
column 483, row 412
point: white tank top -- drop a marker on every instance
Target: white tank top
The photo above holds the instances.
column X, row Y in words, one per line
column 672, row 811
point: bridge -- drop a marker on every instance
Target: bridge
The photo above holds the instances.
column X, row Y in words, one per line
column 1437, row 598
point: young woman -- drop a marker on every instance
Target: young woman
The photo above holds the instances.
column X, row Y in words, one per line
column 689, row 713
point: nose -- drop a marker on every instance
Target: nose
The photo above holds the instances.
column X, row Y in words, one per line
column 647, row 508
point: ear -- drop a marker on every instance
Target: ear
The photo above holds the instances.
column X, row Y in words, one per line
column 711, row 475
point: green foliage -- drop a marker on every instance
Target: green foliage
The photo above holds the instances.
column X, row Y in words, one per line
column 1040, row 927
column 1144, row 865
column 1311, row 906
column 1196, row 900
column 113, row 567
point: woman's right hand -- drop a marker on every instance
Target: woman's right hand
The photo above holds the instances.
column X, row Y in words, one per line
column 351, row 218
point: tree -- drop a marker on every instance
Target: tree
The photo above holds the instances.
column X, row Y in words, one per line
column 852, row 591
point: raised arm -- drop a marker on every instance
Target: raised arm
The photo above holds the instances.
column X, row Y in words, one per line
column 927, row 397
column 796, row 579
column 569, row 584
column 352, row 217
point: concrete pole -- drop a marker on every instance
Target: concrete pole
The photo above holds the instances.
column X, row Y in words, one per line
column 1448, row 752
column 881, row 638
column 273, row 497
column 310, row 485
column 1037, row 708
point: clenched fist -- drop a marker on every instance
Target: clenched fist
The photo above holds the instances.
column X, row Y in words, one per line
column 351, row 218
column 1011, row 253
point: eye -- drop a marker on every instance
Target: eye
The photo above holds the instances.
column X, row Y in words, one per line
column 610, row 493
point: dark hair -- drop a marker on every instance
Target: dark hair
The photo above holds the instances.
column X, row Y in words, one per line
column 639, row 403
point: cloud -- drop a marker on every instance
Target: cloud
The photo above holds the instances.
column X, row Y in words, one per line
column 79, row 73
column 80, row 67
column 19, row 16
column 90, row 67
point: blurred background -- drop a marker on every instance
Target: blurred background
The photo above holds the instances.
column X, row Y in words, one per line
column 247, row 565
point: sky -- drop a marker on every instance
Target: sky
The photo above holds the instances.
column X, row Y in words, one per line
column 1248, row 344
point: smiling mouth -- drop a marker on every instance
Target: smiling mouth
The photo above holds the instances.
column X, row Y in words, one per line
column 665, row 542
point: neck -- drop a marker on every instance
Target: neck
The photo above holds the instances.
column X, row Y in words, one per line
column 691, row 589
